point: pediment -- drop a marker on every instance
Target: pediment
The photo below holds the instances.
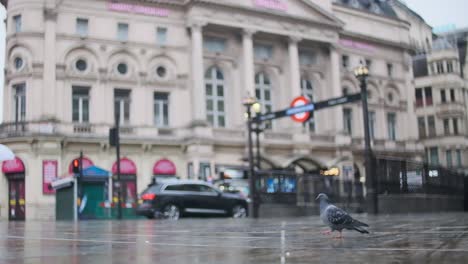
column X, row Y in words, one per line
column 315, row 10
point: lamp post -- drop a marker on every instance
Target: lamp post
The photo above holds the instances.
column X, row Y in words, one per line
column 253, row 206
column 257, row 130
column 361, row 73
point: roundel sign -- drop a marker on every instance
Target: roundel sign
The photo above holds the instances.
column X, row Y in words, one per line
column 300, row 117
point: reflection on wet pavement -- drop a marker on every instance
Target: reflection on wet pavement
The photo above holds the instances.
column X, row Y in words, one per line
column 421, row 238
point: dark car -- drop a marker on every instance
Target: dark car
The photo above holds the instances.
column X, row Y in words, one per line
column 175, row 199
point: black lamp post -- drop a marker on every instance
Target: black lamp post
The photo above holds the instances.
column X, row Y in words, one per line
column 257, row 130
column 253, row 206
column 361, row 73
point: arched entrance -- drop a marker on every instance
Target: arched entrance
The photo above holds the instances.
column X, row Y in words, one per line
column 128, row 173
column 15, row 173
column 164, row 169
column 305, row 165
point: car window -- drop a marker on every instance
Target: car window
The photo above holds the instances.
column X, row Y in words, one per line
column 192, row 188
column 152, row 189
column 204, row 188
column 175, row 187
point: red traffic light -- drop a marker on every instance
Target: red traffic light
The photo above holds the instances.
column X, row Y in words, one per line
column 76, row 165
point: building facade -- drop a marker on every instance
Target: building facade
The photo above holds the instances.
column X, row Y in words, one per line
column 441, row 100
column 176, row 74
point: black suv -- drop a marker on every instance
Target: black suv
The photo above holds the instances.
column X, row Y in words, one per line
column 174, row 199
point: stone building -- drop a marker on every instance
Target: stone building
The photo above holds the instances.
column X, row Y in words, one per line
column 177, row 72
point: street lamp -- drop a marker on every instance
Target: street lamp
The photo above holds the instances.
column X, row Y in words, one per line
column 249, row 102
column 361, row 73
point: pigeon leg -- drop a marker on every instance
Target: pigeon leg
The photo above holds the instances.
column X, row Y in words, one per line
column 340, row 236
column 326, row 232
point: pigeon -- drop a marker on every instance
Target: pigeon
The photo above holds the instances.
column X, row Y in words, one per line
column 337, row 219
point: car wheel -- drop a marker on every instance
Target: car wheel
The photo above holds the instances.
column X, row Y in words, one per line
column 171, row 211
column 239, row 211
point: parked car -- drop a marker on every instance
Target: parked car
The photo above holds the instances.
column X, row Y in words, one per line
column 179, row 198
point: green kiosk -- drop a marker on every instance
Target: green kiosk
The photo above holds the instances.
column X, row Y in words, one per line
column 91, row 196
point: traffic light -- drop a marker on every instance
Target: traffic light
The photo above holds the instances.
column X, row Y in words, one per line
column 113, row 137
column 76, row 166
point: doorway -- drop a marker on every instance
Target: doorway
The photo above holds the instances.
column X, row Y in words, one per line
column 16, row 199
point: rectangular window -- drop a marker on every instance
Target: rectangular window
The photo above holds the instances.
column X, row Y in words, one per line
column 263, row 51
column 419, row 97
column 161, row 35
column 82, row 27
column 214, row 44
column 122, row 31
column 447, row 126
column 440, row 67
column 122, row 105
column 80, row 104
column 443, row 98
column 428, row 95
column 452, row 95
column 345, row 61
column 204, row 171
column 455, row 126
column 17, row 23
column 449, row 66
column 422, row 127
column 391, row 123
column 434, row 156
column 390, row 69
column 459, row 158
column 431, row 126
column 190, row 171
column 19, row 99
column 372, row 125
column 161, row 109
column 307, row 58
column 348, row 121
column 448, row 156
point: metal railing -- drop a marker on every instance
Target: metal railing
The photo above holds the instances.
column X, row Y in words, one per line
column 396, row 176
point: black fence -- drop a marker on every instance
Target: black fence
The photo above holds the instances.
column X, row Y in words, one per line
column 302, row 189
column 393, row 176
column 402, row 177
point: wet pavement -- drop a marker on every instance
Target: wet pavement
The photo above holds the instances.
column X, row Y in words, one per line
column 419, row 238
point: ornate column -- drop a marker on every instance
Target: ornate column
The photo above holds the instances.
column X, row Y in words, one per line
column 294, row 66
column 337, row 115
column 248, row 59
column 49, row 92
column 198, row 90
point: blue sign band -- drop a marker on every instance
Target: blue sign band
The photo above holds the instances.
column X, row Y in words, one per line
column 300, row 109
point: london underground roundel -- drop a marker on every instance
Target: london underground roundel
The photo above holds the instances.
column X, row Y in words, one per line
column 300, row 117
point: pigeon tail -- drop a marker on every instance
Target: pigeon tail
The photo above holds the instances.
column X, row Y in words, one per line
column 361, row 230
column 358, row 223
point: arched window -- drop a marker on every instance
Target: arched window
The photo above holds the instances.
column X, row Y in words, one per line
column 214, row 89
column 307, row 90
column 263, row 94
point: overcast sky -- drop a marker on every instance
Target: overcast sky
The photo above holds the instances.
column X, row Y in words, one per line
column 441, row 12
column 437, row 13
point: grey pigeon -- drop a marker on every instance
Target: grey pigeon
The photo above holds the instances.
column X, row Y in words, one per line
column 336, row 218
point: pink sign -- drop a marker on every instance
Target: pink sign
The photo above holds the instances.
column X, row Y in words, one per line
column 126, row 167
column 272, row 4
column 86, row 163
column 138, row 9
column 13, row 166
column 357, row 45
column 164, row 167
column 49, row 174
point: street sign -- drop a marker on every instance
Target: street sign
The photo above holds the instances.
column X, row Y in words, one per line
column 337, row 101
column 303, row 113
column 310, row 107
